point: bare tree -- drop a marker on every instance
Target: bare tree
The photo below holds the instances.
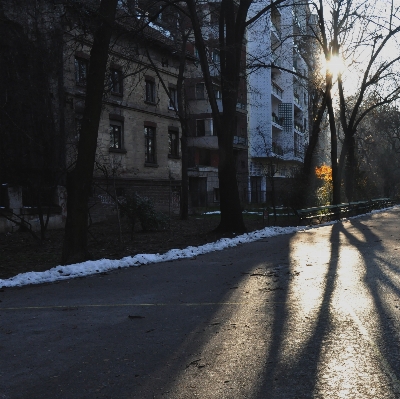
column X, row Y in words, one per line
column 79, row 179
column 378, row 149
column 233, row 22
column 358, row 33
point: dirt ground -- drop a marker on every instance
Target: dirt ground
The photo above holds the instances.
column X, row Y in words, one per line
column 20, row 252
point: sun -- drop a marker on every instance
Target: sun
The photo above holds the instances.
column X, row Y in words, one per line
column 335, row 66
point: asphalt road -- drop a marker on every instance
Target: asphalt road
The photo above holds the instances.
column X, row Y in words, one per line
column 309, row 315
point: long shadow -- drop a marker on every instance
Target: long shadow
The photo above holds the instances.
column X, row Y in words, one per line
column 377, row 282
column 135, row 352
column 300, row 376
column 146, row 356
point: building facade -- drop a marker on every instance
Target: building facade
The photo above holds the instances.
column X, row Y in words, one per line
column 278, row 117
column 203, row 143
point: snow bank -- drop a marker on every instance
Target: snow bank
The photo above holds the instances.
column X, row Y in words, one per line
column 103, row 265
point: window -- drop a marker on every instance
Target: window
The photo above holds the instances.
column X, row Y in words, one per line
column 115, row 135
column 255, row 183
column 150, row 144
column 173, row 101
column 204, row 127
column 204, row 157
column 116, row 81
column 81, row 70
column 217, row 92
column 200, row 127
column 173, row 143
column 150, row 91
column 216, row 194
column 200, row 91
column 216, row 56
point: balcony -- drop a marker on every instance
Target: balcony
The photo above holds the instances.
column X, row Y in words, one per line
column 299, row 127
column 297, row 103
column 241, row 106
column 277, row 120
column 277, row 149
column 240, row 142
column 277, row 90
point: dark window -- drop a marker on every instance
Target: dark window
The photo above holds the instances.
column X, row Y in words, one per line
column 200, row 127
column 217, row 91
column 198, row 190
column 150, row 144
column 150, row 91
column 204, row 157
column 173, row 101
column 216, row 56
column 255, row 182
column 216, row 194
column 115, row 135
column 200, row 91
column 173, row 143
column 116, row 81
column 81, row 70
column 204, row 127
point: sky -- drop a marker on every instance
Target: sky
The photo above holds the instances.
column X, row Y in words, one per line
column 103, row 265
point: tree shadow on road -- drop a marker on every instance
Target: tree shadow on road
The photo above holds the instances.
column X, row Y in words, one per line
column 296, row 377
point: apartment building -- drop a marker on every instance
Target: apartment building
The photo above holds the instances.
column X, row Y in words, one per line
column 278, row 118
column 203, row 143
column 139, row 133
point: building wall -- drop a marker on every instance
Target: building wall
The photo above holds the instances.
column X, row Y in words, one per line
column 132, row 113
column 278, row 99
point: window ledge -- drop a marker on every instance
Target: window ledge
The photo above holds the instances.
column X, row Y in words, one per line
column 174, row 156
column 150, row 102
column 116, row 94
column 119, row 150
column 151, row 165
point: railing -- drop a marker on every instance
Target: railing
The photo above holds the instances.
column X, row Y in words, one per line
column 277, row 90
column 237, row 140
column 277, row 149
column 299, row 127
column 277, row 120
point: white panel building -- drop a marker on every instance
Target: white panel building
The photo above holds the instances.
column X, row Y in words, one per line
column 277, row 96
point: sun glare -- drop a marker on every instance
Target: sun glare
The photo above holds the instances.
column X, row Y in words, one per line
column 335, row 66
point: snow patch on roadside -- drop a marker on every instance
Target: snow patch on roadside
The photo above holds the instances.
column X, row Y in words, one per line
column 103, row 265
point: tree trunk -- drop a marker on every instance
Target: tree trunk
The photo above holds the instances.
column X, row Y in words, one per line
column 184, row 205
column 350, row 169
column 230, row 45
column 79, row 180
column 336, row 176
column 231, row 210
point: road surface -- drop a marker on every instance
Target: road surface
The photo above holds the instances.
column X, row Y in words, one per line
column 313, row 314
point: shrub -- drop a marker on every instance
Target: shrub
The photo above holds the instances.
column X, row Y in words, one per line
column 141, row 208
